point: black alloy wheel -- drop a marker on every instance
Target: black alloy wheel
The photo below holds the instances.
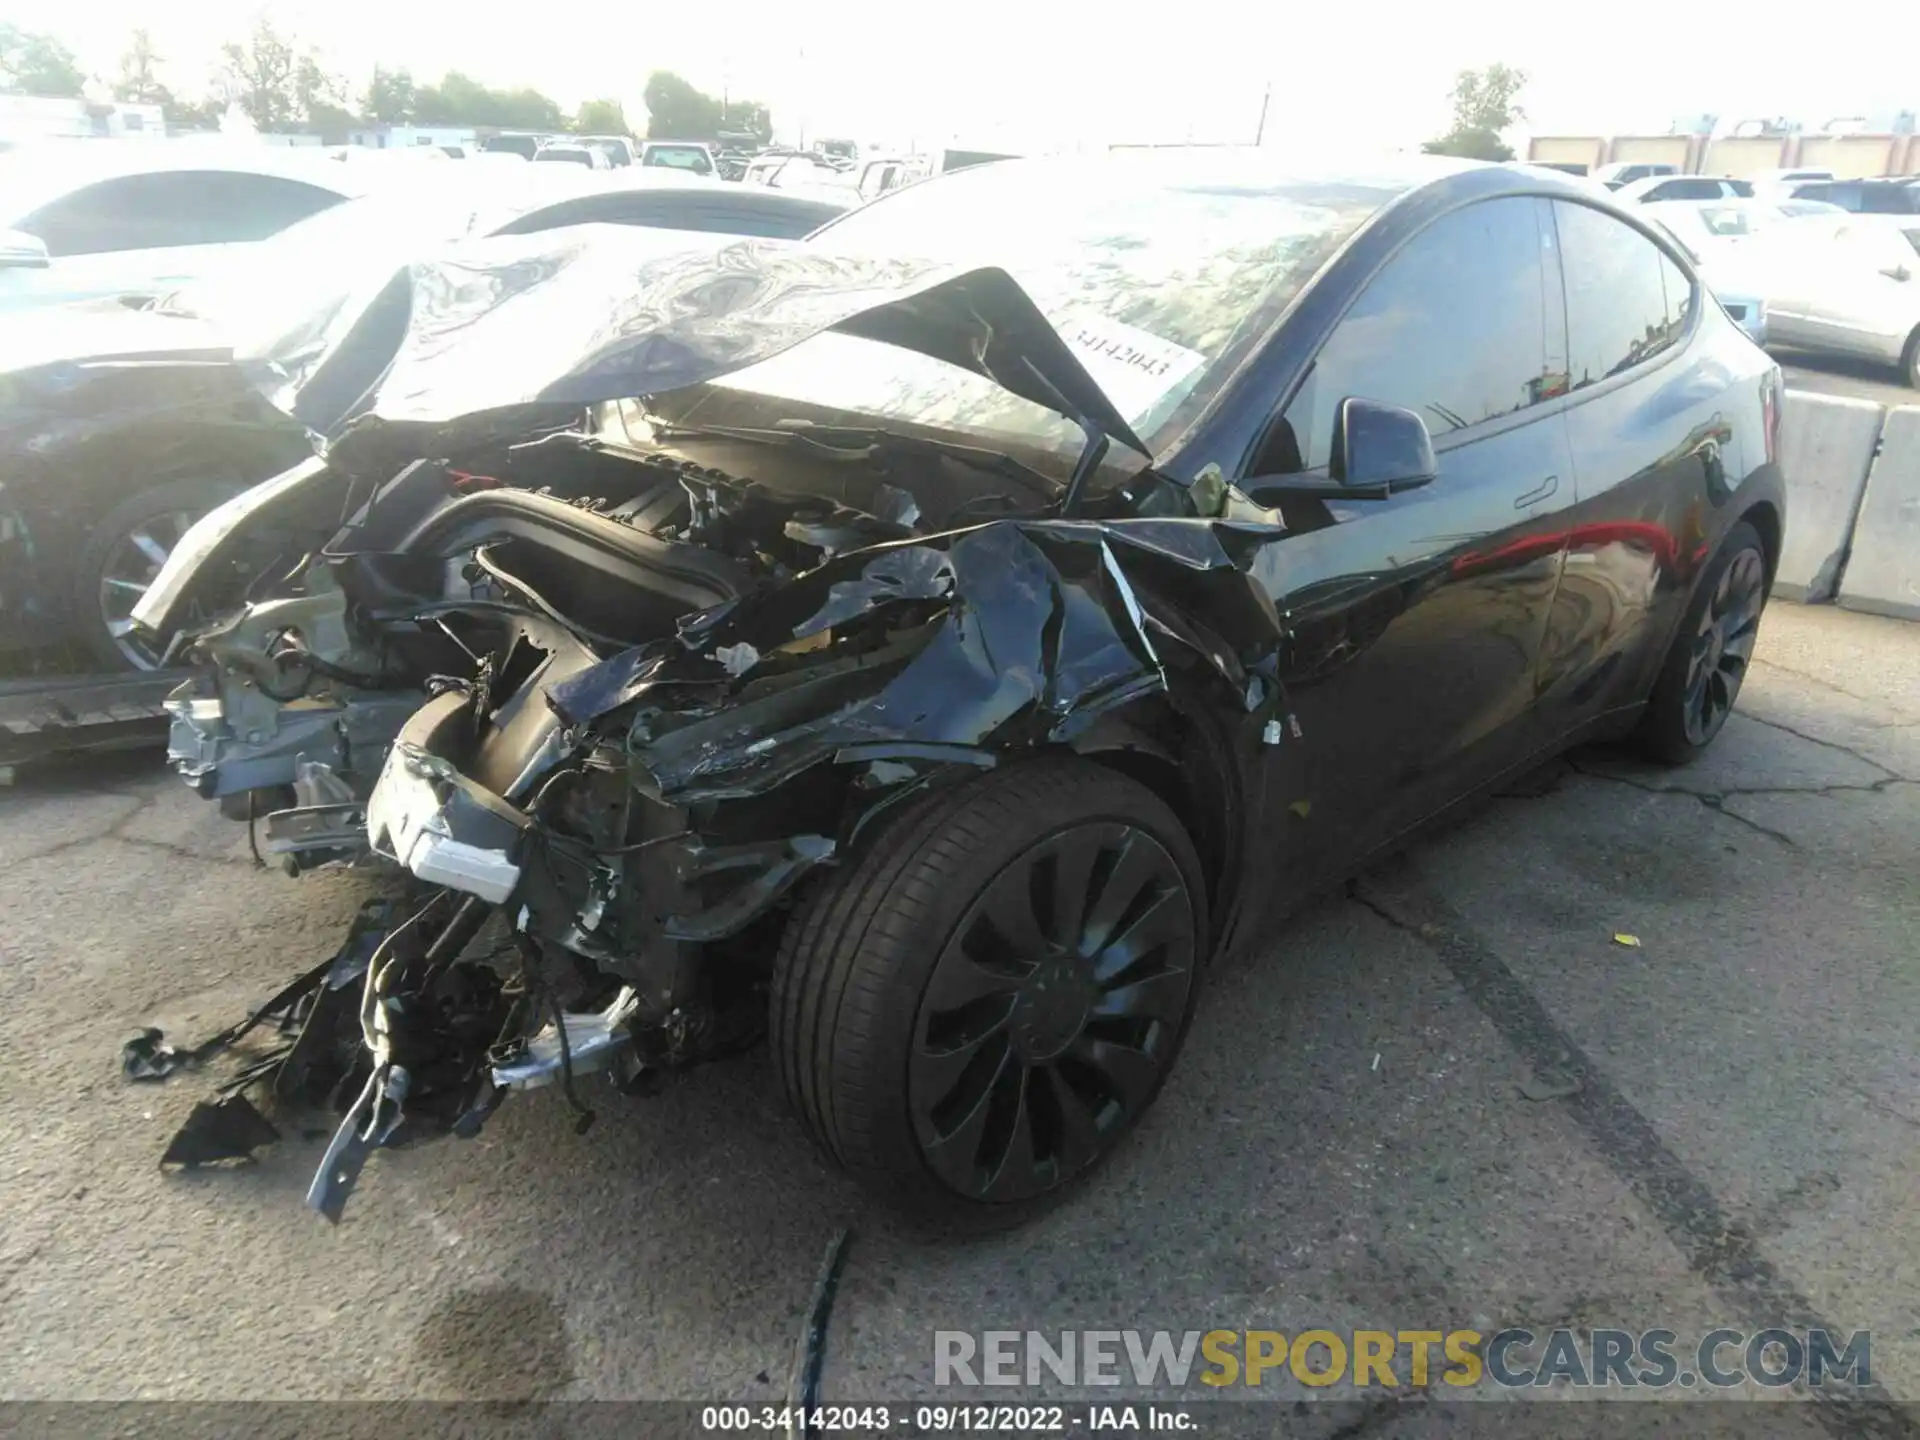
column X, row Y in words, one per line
column 972, row 1011
column 1702, row 674
column 1052, row 1012
column 1723, row 645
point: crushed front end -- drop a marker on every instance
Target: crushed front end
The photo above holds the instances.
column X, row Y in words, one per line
column 601, row 690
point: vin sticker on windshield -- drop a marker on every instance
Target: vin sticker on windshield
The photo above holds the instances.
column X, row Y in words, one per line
column 1135, row 368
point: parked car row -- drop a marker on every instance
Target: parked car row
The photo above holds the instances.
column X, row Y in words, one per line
column 109, row 463
column 925, row 644
column 1806, row 275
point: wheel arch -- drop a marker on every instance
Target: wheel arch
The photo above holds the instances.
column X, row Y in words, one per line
column 1764, row 516
column 1186, row 757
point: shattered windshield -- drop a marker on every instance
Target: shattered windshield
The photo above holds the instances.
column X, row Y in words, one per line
column 1158, row 275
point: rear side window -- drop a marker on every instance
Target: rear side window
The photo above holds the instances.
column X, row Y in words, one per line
column 1454, row 328
column 1626, row 300
column 1687, row 190
column 1890, row 199
column 1846, row 196
column 184, row 207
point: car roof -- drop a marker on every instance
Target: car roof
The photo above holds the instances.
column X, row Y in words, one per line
column 1275, row 167
column 35, row 175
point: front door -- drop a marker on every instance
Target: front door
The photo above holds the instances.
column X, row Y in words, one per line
column 1414, row 623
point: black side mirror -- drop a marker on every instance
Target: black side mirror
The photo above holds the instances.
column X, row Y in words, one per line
column 1380, row 448
column 1377, row 451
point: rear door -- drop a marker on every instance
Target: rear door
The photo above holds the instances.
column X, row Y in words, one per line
column 1856, row 302
column 1647, row 428
column 1415, row 622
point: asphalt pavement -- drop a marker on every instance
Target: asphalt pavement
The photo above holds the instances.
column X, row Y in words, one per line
column 1842, row 375
column 1448, row 1097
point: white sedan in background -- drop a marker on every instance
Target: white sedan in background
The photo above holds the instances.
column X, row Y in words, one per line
column 1715, row 235
column 85, row 220
column 1657, row 188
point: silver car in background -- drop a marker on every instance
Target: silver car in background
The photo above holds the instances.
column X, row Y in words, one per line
column 1845, row 287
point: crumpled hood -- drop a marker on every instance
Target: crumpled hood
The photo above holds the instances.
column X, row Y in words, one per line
column 511, row 331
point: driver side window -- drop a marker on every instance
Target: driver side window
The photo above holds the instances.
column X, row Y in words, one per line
column 1454, row 327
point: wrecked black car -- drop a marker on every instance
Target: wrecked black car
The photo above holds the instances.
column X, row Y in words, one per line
column 930, row 663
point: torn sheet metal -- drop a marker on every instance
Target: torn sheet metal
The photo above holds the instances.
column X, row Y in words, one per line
column 552, row 322
column 1008, row 636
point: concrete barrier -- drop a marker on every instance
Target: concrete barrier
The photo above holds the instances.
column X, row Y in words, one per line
column 1883, row 572
column 1826, row 449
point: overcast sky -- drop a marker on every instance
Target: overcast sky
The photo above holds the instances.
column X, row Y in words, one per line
column 1034, row 73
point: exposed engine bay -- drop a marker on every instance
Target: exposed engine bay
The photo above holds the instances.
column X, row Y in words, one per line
column 603, row 691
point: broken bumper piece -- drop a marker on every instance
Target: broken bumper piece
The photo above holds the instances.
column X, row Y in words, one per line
column 592, row 1042
column 443, row 828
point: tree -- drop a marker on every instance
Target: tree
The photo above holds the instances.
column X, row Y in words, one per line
column 528, row 109
column 203, row 114
column 33, row 64
column 317, row 97
column 259, row 74
column 461, row 100
column 601, row 117
column 391, row 98
column 138, row 83
column 677, row 111
column 1485, row 102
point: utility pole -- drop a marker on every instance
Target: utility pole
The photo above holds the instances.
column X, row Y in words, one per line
column 1260, row 131
column 804, row 95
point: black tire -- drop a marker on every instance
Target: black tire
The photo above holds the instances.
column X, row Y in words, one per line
column 1910, row 360
column 856, row 1018
column 155, row 515
column 1701, row 678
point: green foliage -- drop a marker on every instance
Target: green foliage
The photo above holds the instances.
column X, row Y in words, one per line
column 1470, row 145
column 461, row 100
column 258, row 75
column 1485, row 102
column 391, row 98
column 138, row 83
column 32, row 64
column 678, row 111
column 203, row 114
column 601, row 117
column 319, row 99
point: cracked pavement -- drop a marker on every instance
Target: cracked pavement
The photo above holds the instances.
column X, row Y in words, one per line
column 1731, row 1133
